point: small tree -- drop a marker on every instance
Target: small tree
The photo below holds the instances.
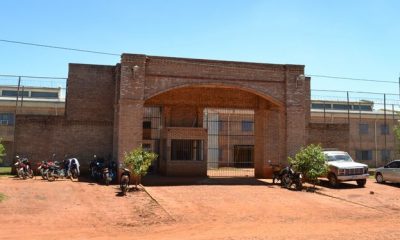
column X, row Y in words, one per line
column 2, row 151
column 311, row 162
column 396, row 130
column 139, row 161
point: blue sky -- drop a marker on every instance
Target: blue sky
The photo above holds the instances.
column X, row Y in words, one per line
column 353, row 38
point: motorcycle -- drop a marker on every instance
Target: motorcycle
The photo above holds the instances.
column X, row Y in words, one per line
column 55, row 171
column 290, row 178
column 44, row 167
column 101, row 171
column 276, row 170
column 73, row 172
column 23, row 168
column 125, row 179
column 96, row 167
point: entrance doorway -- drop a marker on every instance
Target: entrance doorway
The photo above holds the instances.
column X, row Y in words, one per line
column 230, row 142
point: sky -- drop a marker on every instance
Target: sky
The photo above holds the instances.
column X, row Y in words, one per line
column 346, row 38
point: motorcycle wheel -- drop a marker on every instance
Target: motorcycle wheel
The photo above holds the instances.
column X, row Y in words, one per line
column 50, row 176
column 30, row 173
column 74, row 174
column 107, row 179
column 286, row 181
column 299, row 186
column 43, row 174
column 21, row 174
column 124, row 184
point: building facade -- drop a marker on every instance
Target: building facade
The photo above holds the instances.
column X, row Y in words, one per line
column 365, row 132
column 173, row 106
column 39, row 101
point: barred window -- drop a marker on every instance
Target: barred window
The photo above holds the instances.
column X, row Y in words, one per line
column 364, row 154
column 363, row 128
column 186, row 150
column 385, row 154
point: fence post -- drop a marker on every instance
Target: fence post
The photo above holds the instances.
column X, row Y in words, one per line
column 348, row 109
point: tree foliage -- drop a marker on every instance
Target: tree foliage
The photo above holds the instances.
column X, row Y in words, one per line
column 139, row 161
column 311, row 162
column 396, row 130
column 2, row 151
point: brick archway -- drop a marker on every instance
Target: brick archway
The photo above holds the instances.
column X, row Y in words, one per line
column 282, row 98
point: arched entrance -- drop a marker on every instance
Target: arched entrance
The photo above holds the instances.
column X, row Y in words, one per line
column 212, row 131
column 183, row 88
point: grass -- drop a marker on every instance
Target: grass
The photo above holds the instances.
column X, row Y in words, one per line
column 2, row 197
column 5, row 171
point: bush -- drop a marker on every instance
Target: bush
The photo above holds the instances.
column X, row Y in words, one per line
column 2, row 151
column 139, row 161
column 310, row 161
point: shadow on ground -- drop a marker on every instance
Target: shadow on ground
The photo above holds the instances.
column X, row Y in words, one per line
column 397, row 185
column 343, row 185
column 154, row 180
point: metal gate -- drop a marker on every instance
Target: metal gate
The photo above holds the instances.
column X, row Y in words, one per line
column 230, row 142
column 151, row 133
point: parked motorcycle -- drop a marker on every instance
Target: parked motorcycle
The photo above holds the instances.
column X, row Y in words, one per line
column 125, row 179
column 23, row 168
column 100, row 171
column 276, row 173
column 290, row 178
column 73, row 169
column 55, row 171
column 96, row 168
column 44, row 167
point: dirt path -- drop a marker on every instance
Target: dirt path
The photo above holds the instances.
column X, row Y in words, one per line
column 63, row 210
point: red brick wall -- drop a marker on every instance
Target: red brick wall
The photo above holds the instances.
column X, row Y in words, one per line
column 329, row 135
column 37, row 137
column 90, row 93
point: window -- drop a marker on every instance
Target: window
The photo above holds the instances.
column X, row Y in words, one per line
column 384, row 129
column 395, row 164
column 364, row 155
column 147, row 125
column 362, row 107
column 146, row 147
column 385, row 154
column 44, row 94
column 220, row 125
column 220, row 154
column 247, row 126
column 13, row 93
column 363, row 128
column 340, row 106
column 6, row 119
column 186, row 150
column 321, row 106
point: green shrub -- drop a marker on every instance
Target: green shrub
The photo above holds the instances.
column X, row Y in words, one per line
column 139, row 161
column 310, row 161
column 2, row 151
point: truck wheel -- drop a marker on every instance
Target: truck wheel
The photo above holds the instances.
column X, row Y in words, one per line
column 379, row 178
column 362, row 182
column 333, row 182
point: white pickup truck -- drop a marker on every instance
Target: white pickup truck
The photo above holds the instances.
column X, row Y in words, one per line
column 343, row 168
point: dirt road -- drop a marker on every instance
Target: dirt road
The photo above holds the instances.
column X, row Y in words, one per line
column 211, row 210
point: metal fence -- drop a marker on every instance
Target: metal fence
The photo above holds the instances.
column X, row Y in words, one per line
column 230, row 142
column 32, row 95
column 371, row 117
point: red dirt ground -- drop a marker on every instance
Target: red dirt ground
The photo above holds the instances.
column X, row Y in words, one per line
column 208, row 209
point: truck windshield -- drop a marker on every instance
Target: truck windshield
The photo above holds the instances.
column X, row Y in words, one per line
column 339, row 157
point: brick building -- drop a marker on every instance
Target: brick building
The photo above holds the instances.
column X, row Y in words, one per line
column 168, row 105
column 39, row 101
column 360, row 128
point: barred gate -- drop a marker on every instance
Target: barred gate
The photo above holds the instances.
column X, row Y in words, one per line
column 151, row 133
column 230, row 142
